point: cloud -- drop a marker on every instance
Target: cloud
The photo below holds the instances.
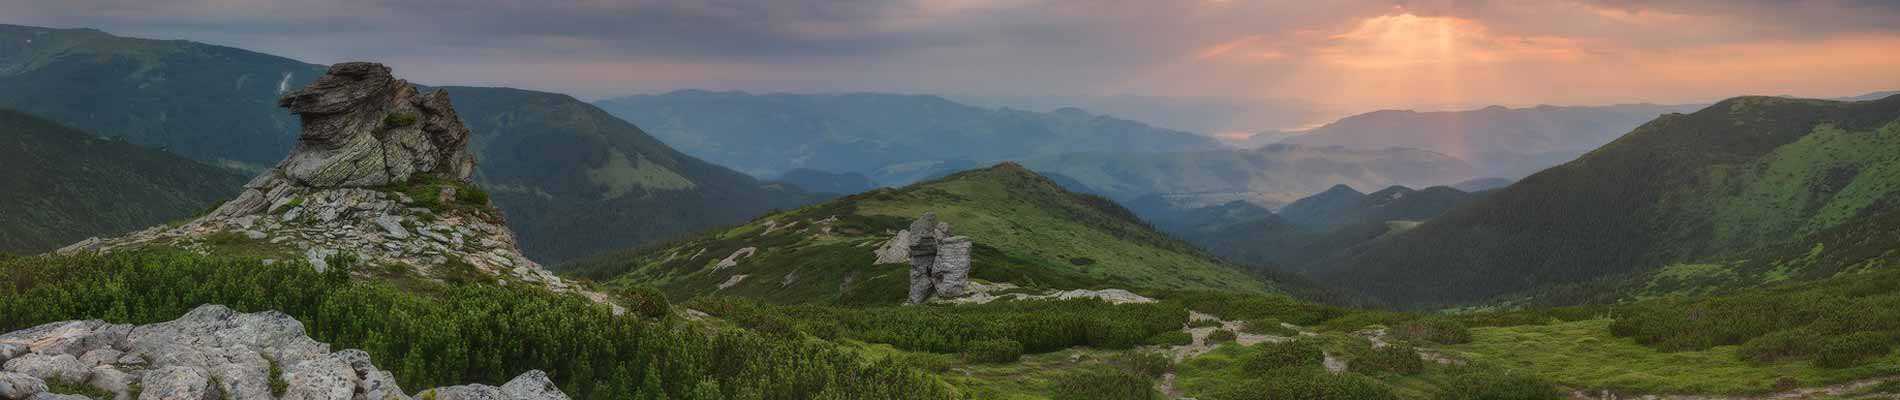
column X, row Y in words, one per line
column 1356, row 54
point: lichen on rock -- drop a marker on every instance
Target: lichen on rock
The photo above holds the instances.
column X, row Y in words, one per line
column 210, row 352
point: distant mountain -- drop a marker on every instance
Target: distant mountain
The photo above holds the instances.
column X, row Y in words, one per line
column 1337, row 220
column 1499, row 141
column 1321, row 208
column 1871, row 96
column 1482, row 184
column 816, row 181
column 1742, row 174
column 572, row 179
column 1270, row 177
column 1027, row 231
column 61, row 185
column 894, row 139
column 210, row 103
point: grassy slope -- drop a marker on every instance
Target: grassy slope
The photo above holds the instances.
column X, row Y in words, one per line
column 62, row 185
column 1584, row 354
column 1745, row 172
column 1028, row 231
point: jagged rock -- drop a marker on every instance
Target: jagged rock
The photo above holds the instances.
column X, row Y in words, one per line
column 532, row 385
column 214, row 352
column 939, row 262
column 10, row 350
column 18, row 386
column 112, row 381
column 56, row 396
column 468, row 392
column 175, row 383
column 62, row 367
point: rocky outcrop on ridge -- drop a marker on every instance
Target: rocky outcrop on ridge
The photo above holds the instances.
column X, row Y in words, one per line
column 213, row 353
column 381, row 171
column 939, row 262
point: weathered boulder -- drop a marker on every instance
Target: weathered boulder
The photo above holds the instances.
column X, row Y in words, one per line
column 939, row 262
column 532, row 385
column 214, row 352
column 175, row 383
column 18, row 386
column 62, row 367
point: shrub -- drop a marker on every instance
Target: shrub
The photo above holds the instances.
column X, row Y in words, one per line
column 1221, row 336
column 1146, row 363
column 992, row 351
column 646, row 301
column 1479, row 383
column 1171, row 338
column 1116, row 335
column 1306, row 383
column 1269, row 326
column 1104, row 384
column 1782, row 345
column 1851, row 350
column 1434, row 329
column 1395, row 358
column 1295, row 353
column 399, row 120
column 471, row 195
column 1204, row 323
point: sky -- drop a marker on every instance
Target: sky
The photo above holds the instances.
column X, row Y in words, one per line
column 1356, row 55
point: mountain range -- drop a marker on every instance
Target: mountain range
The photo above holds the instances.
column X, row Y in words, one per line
column 62, row 185
column 1498, row 141
column 573, row 179
column 894, row 139
column 1742, row 174
column 1270, row 176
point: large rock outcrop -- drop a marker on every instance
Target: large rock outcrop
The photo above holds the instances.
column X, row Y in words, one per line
column 380, row 171
column 939, row 262
column 210, row 353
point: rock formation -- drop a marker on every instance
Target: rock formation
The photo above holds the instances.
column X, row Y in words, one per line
column 380, row 171
column 939, row 262
column 213, row 353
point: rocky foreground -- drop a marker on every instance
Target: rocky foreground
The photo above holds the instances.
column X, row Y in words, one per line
column 212, row 353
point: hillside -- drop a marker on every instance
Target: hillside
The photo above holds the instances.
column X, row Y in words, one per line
column 884, row 136
column 575, row 181
column 1338, row 220
column 572, row 179
column 816, row 181
column 210, row 103
column 1270, row 176
column 62, row 185
column 1027, row 231
column 1499, row 141
column 1743, row 173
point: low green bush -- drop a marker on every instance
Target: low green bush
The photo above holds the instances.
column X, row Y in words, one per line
column 1104, row 384
column 1306, row 383
column 1221, row 336
column 1297, row 353
column 1171, row 338
column 1438, row 330
column 1852, row 349
column 1792, row 344
column 1394, row 358
column 1482, row 383
column 992, row 351
column 1269, row 326
column 646, row 301
column 1146, row 363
